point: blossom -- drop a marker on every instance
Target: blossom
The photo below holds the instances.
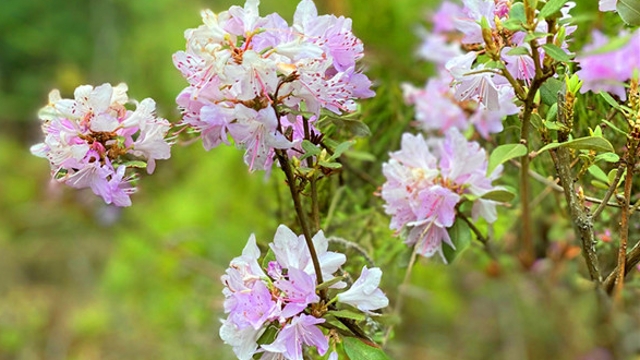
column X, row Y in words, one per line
column 364, row 293
column 424, row 184
column 248, row 74
column 301, row 330
column 607, row 71
column 285, row 296
column 607, row 5
column 93, row 141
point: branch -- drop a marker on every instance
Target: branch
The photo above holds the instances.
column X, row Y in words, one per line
column 631, row 260
column 582, row 224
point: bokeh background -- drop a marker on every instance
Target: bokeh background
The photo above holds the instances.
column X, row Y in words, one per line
column 81, row 280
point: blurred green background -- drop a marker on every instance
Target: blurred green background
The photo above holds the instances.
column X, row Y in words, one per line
column 80, row 280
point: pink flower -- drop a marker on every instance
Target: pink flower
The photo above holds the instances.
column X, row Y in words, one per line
column 241, row 66
column 284, row 295
column 425, row 184
column 92, row 139
column 607, row 71
column 301, row 330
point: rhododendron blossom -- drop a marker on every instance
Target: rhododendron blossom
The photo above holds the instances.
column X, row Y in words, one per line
column 426, row 183
column 283, row 295
column 94, row 141
column 608, row 70
column 250, row 75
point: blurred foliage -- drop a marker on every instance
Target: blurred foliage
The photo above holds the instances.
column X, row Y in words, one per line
column 81, row 280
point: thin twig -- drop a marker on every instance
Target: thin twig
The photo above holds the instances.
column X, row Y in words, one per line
column 483, row 239
column 352, row 245
column 400, row 299
column 624, row 226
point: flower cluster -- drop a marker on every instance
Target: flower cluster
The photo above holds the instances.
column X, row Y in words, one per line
column 608, row 70
column 250, row 77
column 480, row 95
column 283, row 297
column 94, row 141
column 426, row 183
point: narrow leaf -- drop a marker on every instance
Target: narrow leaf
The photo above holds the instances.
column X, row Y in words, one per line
column 327, row 284
column 347, row 314
column 585, row 143
column 356, row 349
column 551, row 7
column 505, row 153
column 501, row 195
column 610, row 100
column 556, row 53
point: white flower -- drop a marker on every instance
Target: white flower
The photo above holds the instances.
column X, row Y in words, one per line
column 364, row 293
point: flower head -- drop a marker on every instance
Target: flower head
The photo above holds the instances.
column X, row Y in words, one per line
column 249, row 74
column 94, row 141
column 425, row 184
column 285, row 296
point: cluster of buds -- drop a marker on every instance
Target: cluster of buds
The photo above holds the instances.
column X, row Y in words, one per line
column 282, row 299
column 94, row 141
column 250, row 77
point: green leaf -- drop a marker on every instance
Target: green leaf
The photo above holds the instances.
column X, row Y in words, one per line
column 612, row 176
column 512, row 23
column 347, row 314
column 355, row 127
column 500, row 195
column 505, row 153
column 135, row 163
column 549, row 91
column 599, row 184
column 629, row 11
column 598, row 173
column 341, row 148
column 608, row 157
column 310, row 149
column 535, row 35
column 617, row 129
column 268, row 336
column 460, row 235
column 517, row 12
column 329, row 283
column 360, row 155
column 520, row 50
column 356, row 349
column 330, row 165
column 552, row 113
column 556, row 53
column 585, row 143
column 551, row 7
column 610, row 100
column 573, row 83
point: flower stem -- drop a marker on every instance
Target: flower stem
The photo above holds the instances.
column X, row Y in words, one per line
column 283, row 159
column 400, row 300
